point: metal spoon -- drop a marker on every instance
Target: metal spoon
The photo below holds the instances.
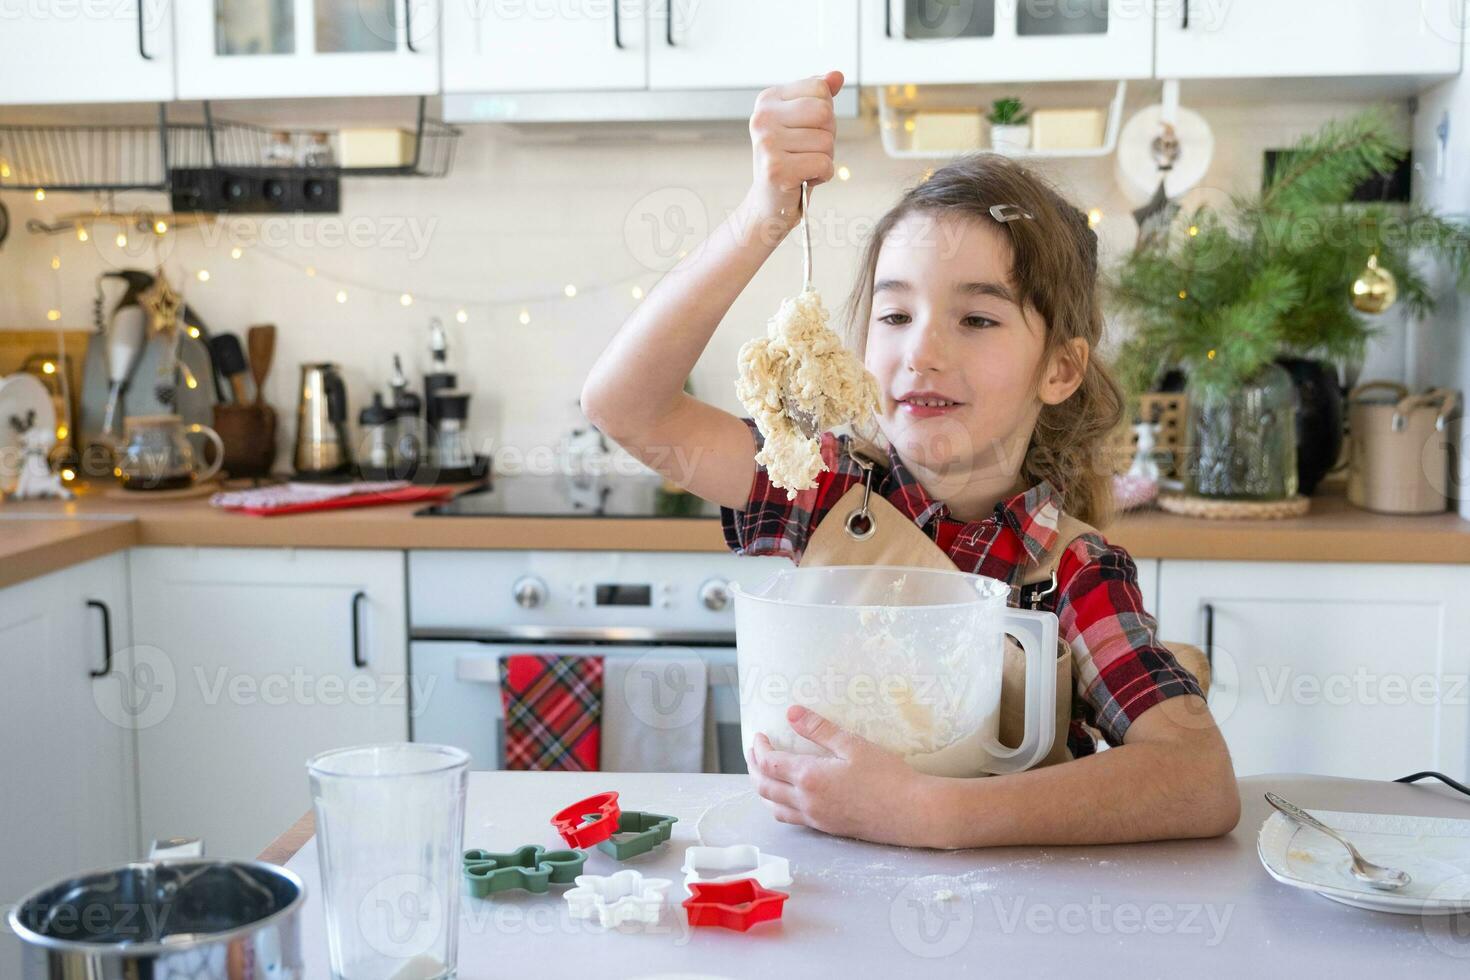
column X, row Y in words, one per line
column 1377, row 876
column 806, row 422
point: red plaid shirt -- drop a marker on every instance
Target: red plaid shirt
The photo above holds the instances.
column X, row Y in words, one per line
column 1120, row 668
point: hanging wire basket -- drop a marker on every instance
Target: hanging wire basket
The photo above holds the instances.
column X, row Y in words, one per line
column 134, row 157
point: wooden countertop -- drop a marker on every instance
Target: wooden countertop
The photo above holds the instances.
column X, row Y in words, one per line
column 94, row 525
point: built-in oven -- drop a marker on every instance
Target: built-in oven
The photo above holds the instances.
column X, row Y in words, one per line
column 470, row 609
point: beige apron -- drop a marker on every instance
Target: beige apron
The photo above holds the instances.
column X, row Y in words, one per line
column 865, row 529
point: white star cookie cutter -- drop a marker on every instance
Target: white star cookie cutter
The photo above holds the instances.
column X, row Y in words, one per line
column 711, row 865
column 611, row 900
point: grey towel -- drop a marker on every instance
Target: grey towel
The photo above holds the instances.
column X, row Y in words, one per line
column 654, row 709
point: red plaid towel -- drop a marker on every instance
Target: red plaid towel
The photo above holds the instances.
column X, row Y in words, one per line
column 553, row 711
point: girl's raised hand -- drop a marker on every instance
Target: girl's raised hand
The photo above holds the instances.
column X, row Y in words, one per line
column 792, row 131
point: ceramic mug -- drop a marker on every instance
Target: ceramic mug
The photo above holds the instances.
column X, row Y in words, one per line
column 155, row 454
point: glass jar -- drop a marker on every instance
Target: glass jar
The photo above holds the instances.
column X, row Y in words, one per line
column 1242, row 440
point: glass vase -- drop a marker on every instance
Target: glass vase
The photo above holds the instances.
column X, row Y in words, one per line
column 1242, row 440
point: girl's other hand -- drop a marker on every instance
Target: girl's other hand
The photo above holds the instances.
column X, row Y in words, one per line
column 860, row 790
column 792, row 131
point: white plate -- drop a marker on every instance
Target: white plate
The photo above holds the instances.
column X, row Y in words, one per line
column 1435, row 851
column 19, row 394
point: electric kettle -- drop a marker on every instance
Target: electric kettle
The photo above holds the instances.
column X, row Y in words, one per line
column 321, row 423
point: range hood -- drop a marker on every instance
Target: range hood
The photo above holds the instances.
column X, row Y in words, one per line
column 634, row 105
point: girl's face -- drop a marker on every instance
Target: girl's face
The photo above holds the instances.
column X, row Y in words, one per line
column 955, row 357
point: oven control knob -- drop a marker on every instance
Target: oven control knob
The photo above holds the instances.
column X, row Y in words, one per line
column 715, row 594
column 529, row 591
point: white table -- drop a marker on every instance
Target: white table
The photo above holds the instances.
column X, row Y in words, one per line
column 1193, row 908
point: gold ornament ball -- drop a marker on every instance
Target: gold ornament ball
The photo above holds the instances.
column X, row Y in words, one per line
column 1375, row 289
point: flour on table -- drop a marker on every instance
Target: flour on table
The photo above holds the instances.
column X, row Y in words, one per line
column 803, row 359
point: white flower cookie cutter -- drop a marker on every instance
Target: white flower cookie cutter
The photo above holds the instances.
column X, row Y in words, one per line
column 611, row 900
column 710, row 865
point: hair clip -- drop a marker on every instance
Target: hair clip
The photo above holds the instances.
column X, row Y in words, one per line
column 1008, row 212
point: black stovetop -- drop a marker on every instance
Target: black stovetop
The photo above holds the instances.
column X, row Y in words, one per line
column 559, row 495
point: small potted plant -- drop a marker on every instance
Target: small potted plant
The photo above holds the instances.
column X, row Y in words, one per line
column 1010, row 125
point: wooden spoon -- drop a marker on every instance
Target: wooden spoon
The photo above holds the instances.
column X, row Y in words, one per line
column 261, row 341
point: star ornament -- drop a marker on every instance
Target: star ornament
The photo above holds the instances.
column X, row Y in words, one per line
column 736, row 905
column 162, row 303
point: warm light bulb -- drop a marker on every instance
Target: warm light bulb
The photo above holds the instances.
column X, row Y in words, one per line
column 1211, row 355
column 4, row 169
column 82, row 234
column 61, row 431
column 1094, row 217
column 570, row 290
column 406, row 299
column 53, row 315
column 56, row 262
column 203, row 275
column 68, row 474
column 637, row 292
column 40, row 193
column 194, row 332
column 122, row 239
column 909, row 125
column 160, row 227
column 844, row 174
column 525, row 317
column 191, row 382
column 910, row 91
column 1193, row 230
column 341, row 295
column 462, row 317
column 48, row 367
column 236, row 252
column 1184, row 294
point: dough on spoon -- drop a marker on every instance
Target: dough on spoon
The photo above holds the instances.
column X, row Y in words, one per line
column 803, row 359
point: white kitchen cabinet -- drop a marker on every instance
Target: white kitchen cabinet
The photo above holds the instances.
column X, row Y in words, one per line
column 262, row 658
column 1346, row 670
column 490, row 47
column 67, row 780
column 87, row 52
column 1272, row 39
column 750, row 43
column 233, row 49
column 946, row 42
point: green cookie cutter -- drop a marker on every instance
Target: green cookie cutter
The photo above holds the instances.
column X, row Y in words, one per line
column 638, row 833
column 530, row 867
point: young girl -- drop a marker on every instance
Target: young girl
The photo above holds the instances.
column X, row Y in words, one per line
column 979, row 324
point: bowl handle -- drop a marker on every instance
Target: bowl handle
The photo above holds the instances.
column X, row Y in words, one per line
column 1037, row 634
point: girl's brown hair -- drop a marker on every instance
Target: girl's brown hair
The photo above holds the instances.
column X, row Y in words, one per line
column 1054, row 271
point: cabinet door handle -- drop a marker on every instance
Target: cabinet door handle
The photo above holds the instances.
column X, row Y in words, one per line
column 142, row 51
column 357, row 660
column 888, row 19
column 1184, row 23
column 1210, row 634
column 669, row 26
column 617, row 25
column 106, row 638
column 408, row 26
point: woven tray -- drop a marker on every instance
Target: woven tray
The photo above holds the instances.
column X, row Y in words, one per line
column 1233, row 510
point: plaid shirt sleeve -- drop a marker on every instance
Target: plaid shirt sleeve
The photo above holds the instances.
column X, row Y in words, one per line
column 769, row 524
column 1123, row 669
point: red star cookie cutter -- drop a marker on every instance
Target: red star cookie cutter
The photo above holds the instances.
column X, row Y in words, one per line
column 590, row 821
column 736, row 905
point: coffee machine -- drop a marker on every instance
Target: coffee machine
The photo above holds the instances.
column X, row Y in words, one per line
column 321, row 450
